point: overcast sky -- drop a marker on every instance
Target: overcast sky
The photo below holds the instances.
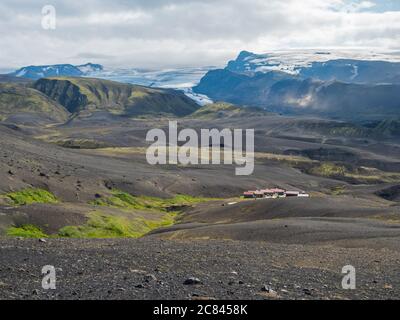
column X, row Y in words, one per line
column 174, row 33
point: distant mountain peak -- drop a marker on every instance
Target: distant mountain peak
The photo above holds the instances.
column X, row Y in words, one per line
column 90, row 67
column 56, row 70
column 245, row 54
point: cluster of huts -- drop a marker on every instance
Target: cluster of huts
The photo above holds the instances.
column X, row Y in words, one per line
column 273, row 193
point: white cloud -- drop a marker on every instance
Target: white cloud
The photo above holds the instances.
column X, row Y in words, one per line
column 357, row 6
column 165, row 33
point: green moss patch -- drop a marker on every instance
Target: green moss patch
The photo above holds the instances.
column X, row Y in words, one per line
column 127, row 223
column 338, row 190
column 26, row 231
column 81, row 144
column 163, row 214
column 329, row 170
column 123, row 200
column 31, row 195
column 101, row 225
column 358, row 175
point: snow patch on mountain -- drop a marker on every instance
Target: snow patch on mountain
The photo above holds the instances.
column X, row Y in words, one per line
column 292, row 61
column 90, row 68
column 66, row 70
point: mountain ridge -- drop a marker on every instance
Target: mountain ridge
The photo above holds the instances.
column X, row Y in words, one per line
column 43, row 71
column 59, row 99
column 91, row 94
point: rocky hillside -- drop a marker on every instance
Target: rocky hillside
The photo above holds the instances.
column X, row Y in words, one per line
column 90, row 95
column 389, row 127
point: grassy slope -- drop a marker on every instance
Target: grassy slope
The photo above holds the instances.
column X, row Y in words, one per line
column 124, row 222
column 15, row 98
column 89, row 94
column 100, row 225
column 358, row 175
column 164, row 213
column 224, row 110
column 29, row 196
column 123, row 200
column 26, row 231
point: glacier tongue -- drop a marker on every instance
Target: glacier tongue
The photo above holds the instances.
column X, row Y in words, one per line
column 182, row 79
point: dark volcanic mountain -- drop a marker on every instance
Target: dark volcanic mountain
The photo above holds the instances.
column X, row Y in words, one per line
column 238, row 88
column 366, row 90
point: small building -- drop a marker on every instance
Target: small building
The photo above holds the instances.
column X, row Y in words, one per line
column 248, row 194
column 269, row 193
column 292, row 193
column 258, row 194
column 279, row 192
column 273, row 194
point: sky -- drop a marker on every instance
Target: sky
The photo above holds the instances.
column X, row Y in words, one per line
column 177, row 33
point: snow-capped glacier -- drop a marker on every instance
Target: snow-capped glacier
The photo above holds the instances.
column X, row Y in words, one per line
column 293, row 61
